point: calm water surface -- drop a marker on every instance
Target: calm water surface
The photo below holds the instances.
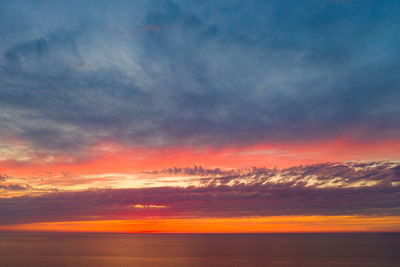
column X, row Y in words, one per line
column 54, row 249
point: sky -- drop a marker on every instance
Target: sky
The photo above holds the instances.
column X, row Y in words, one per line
column 200, row 116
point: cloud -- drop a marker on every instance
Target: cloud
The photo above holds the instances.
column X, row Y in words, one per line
column 15, row 187
column 323, row 189
column 177, row 73
column 4, row 177
column 196, row 170
column 323, row 175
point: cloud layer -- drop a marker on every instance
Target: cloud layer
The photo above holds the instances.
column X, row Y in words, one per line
column 323, row 189
column 156, row 73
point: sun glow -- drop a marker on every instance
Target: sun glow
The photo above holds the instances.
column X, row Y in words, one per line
column 274, row 224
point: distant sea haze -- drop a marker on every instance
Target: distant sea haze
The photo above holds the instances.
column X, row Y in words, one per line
column 79, row 249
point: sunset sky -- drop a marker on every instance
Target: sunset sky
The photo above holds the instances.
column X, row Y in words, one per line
column 200, row 116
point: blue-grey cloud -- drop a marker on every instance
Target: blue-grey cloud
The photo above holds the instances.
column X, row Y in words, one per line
column 190, row 72
column 323, row 189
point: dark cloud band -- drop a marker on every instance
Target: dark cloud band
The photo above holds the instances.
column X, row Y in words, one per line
column 324, row 189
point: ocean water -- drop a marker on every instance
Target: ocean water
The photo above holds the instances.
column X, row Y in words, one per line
column 55, row 249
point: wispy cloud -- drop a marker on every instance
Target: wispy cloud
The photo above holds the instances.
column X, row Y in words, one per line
column 4, row 177
column 15, row 187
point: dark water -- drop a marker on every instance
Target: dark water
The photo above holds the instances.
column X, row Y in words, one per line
column 51, row 249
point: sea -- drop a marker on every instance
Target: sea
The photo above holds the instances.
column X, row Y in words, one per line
column 151, row 249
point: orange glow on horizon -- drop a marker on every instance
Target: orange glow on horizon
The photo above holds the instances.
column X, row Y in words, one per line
column 110, row 157
column 274, row 224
